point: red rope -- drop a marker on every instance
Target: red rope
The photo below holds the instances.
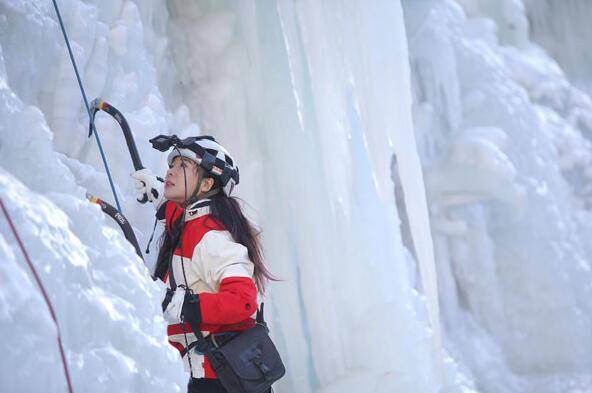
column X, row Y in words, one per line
column 43, row 292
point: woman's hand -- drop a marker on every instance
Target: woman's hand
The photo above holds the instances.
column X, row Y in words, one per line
column 172, row 313
column 149, row 187
column 183, row 306
column 191, row 311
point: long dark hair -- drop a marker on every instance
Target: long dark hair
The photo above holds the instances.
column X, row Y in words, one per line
column 228, row 212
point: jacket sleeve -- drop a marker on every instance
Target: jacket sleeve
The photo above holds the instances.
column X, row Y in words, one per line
column 226, row 264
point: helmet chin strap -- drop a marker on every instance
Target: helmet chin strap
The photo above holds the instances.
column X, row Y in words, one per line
column 196, row 195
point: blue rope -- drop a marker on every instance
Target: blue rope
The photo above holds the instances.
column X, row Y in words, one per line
column 92, row 123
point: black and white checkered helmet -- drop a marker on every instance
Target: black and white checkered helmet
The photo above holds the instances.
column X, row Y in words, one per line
column 211, row 156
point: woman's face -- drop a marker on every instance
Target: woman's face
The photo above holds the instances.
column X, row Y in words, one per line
column 174, row 182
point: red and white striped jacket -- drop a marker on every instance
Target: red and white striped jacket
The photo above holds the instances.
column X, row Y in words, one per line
column 219, row 270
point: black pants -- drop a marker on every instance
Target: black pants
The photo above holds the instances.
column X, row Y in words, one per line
column 206, row 385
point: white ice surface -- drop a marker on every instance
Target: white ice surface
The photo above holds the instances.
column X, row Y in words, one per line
column 505, row 148
column 313, row 99
column 256, row 76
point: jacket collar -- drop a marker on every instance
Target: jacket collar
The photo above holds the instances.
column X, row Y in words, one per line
column 198, row 209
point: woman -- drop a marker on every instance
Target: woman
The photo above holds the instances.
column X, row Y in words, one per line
column 210, row 256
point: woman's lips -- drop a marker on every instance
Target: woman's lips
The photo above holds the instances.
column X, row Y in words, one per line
column 168, row 183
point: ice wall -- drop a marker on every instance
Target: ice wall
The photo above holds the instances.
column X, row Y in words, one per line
column 106, row 303
column 313, row 107
column 503, row 141
column 562, row 28
column 315, row 100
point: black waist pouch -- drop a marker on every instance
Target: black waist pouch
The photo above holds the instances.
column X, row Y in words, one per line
column 247, row 363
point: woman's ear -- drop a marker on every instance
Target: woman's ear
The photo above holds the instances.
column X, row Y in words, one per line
column 207, row 184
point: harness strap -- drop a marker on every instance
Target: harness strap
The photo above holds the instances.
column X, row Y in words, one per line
column 188, row 348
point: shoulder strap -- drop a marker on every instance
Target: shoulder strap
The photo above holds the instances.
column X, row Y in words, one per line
column 176, row 233
column 260, row 319
column 172, row 280
column 198, row 334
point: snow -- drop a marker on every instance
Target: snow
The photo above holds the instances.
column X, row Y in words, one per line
column 105, row 301
column 420, row 171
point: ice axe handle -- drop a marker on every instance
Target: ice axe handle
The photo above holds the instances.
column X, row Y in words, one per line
column 99, row 104
column 127, row 133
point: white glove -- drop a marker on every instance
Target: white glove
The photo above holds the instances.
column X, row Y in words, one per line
column 149, row 187
column 172, row 314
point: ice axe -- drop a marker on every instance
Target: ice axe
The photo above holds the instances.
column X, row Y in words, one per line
column 120, row 219
column 98, row 105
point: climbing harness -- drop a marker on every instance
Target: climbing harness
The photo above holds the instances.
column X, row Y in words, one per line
column 43, row 292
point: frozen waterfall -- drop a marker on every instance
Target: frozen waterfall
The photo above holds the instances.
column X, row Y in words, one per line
column 420, row 171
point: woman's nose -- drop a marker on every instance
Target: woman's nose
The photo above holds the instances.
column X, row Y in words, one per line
column 169, row 173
